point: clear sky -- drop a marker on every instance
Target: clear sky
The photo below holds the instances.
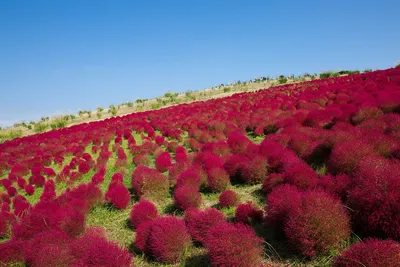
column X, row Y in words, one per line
column 64, row 56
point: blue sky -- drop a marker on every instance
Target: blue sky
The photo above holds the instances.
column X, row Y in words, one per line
column 64, row 56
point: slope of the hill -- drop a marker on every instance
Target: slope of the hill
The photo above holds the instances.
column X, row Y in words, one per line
column 290, row 175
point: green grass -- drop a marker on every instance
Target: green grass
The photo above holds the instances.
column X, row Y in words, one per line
column 9, row 134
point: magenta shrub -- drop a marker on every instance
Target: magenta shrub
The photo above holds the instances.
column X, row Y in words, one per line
column 228, row 198
column 149, row 183
column 248, row 213
column 200, row 222
column 217, row 180
column 301, row 175
column 48, row 248
column 187, row 197
column 272, row 180
column 142, row 236
column 319, row 225
column 238, row 142
column 337, row 186
column 370, row 253
column 375, row 198
column 347, row 155
column 282, row 201
column 119, row 196
column 234, row 245
column 11, row 252
column 255, row 170
column 189, row 177
column 163, row 162
column 168, row 239
column 142, row 211
column 92, row 250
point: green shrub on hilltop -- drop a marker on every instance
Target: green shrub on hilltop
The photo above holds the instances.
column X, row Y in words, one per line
column 40, row 127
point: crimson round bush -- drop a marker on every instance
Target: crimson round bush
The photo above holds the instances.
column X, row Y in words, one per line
column 70, row 221
column 168, row 239
column 163, row 162
column 255, row 170
column 347, row 155
column 11, row 252
column 217, row 180
column 93, row 250
column 228, row 198
column 119, row 196
column 301, row 175
column 283, row 200
column 272, row 180
column 370, row 253
column 234, row 245
column 200, row 222
column 142, row 211
column 375, row 198
column 189, row 177
column 318, row 226
column 247, row 213
column 149, row 184
column 335, row 185
column 238, row 142
column 4, row 225
column 187, row 197
column 48, row 248
column 142, row 236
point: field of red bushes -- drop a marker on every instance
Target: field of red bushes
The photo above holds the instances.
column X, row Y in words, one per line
column 305, row 173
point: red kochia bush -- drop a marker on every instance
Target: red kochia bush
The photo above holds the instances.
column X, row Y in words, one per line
column 69, row 220
column 272, row 180
column 228, row 198
column 163, row 162
column 189, row 177
column 234, row 245
column 375, row 198
column 234, row 165
column 92, row 250
column 168, row 239
column 335, row 185
column 142, row 236
column 366, row 113
column 84, row 167
column 283, row 200
column 319, row 225
column 217, row 180
column 149, row 183
column 200, row 222
column 187, row 197
column 370, row 253
column 347, row 155
column 90, row 193
column 247, row 213
column 238, row 142
column 119, row 196
column 143, row 211
column 3, row 225
column 11, row 252
column 48, row 248
column 301, row 175
column 255, row 170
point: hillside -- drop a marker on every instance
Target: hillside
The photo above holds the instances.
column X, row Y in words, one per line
column 300, row 174
column 169, row 98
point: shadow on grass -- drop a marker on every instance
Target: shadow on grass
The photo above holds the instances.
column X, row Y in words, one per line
column 260, row 196
column 173, row 210
column 276, row 246
column 128, row 225
column 197, row 261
